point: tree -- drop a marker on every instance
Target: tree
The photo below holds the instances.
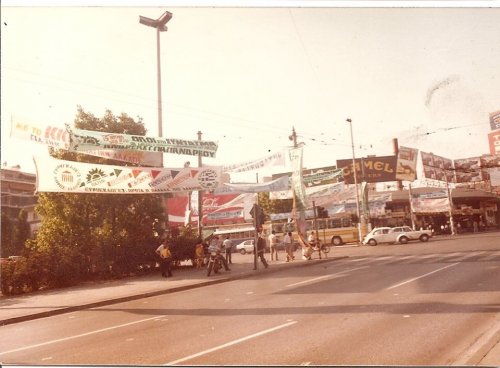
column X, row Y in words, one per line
column 274, row 206
column 111, row 234
column 7, row 230
column 22, row 232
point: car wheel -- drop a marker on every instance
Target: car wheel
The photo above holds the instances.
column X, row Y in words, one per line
column 372, row 242
column 337, row 240
column 424, row 237
column 243, row 251
column 403, row 240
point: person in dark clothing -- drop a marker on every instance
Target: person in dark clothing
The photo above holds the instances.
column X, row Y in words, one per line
column 261, row 247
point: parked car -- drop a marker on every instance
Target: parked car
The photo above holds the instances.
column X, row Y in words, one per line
column 400, row 234
column 245, row 247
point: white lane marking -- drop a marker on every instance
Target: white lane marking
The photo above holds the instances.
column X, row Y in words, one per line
column 76, row 336
column 231, row 343
column 325, row 276
column 422, row 276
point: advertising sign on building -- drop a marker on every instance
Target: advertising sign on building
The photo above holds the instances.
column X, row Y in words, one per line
column 495, row 120
column 431, row 202
column 437, row 167
column 467, row 170
column 494, row 142
column 490, row 168
column 370, row 169
column 407, row 164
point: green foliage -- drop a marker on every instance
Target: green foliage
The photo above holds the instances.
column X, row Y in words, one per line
column 7, row 230
column 183, row 243
column 91, row 235
column 274, row 206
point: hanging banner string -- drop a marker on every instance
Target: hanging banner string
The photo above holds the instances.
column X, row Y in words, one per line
column 79, row 177
column 87, row 140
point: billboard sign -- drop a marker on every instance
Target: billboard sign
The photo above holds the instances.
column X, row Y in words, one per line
column 437, row 167
column 370, row 169
column 494, row 142
column 407, row 164
column 468, row 170
column 495, row 120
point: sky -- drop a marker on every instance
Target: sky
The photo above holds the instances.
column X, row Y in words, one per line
column 244, row 76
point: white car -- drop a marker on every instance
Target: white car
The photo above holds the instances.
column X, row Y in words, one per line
column 245, row 247
column 400, row 234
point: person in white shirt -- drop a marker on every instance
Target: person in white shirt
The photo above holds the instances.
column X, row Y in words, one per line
column 288, row 240
column 228, row 247
column 273, row 244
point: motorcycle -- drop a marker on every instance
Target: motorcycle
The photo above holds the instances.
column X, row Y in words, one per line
column 214, row 262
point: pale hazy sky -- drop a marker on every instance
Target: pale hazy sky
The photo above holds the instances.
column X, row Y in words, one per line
column 245, row 76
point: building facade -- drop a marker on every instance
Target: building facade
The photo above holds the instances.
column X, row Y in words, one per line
column 18, row 192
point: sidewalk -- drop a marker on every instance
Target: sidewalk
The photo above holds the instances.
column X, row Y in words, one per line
column 19, row 308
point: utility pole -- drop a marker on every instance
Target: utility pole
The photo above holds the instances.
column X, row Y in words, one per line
column 395, row 145
column 358, row 212
column 200, row 196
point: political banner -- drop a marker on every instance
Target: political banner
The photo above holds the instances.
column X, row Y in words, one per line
column 298, row 188
column 494, row 142
column 317, row 176
column 407, row 164
column 467, row 170
column 495, row 120
column 274, row 159
column 88, row 140
column 79, row 177
column 369, row 169
column 431, row 202
column 274, row 185
column 58, row 138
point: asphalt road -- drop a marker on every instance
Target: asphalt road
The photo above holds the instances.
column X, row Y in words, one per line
column 435, row 303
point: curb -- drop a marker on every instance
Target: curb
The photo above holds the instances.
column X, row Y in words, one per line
column 245, row 274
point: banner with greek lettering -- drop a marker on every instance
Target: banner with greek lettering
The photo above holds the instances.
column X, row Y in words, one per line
column 59, row 138
column 274, row 159
column 87, row 140
column 78, row 177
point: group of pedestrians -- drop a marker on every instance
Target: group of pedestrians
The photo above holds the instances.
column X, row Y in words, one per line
column 225, row 248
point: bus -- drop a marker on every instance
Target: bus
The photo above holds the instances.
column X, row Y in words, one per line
column 334, row 230
column 237, row 232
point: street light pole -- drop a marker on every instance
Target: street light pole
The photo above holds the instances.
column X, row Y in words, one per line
column 160, row 26
column 355, row 181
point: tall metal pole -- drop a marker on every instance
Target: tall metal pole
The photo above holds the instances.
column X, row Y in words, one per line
column 200, row 196
column 355, row 182
column 158, row 71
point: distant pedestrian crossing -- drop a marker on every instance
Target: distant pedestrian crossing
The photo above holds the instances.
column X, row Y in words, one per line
column 396, row 259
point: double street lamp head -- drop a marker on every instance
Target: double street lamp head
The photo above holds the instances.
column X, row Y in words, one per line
column 159, row 23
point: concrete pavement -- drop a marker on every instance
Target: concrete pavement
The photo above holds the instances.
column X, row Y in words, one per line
column 45, row 303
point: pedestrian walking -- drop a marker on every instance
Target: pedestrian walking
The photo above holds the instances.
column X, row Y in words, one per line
column 166, row 259
column 273, row 245
column 199, row 254
column 288, row 240
column 228, row 247
column 261, row 247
